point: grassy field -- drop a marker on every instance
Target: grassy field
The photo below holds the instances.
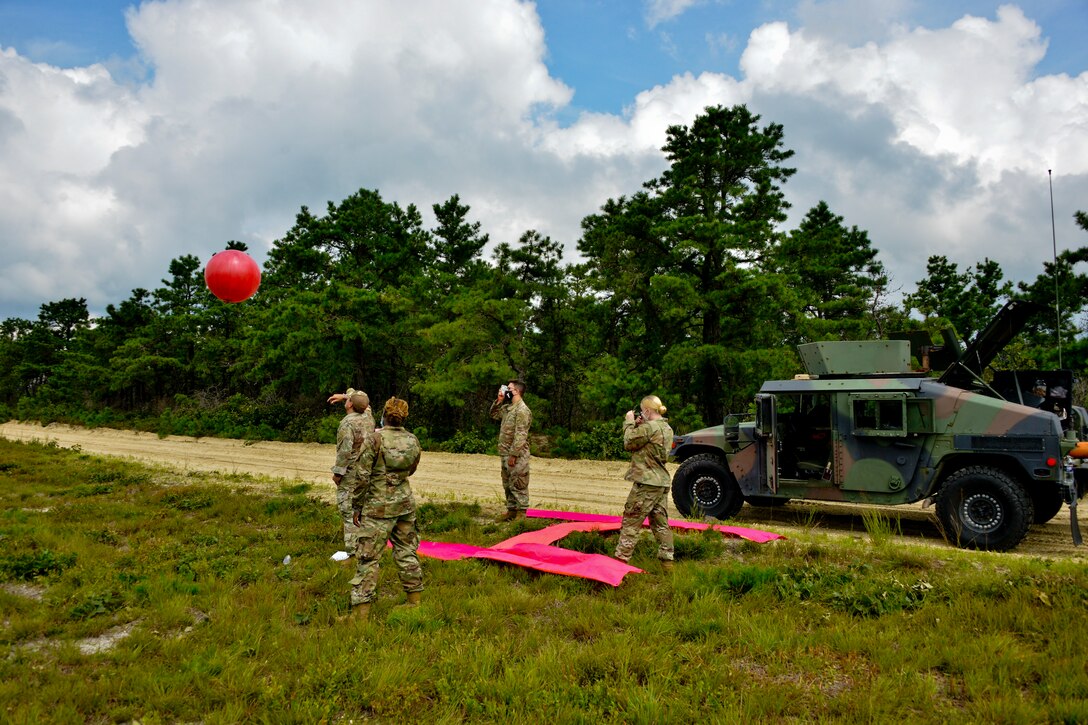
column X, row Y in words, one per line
column 133, row 593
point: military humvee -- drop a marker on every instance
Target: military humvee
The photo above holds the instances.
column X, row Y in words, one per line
column 866, row 425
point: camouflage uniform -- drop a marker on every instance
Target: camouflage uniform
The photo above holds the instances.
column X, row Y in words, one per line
column 514, row 441
column 353, row 430
column 384, row 497
column 649, row 443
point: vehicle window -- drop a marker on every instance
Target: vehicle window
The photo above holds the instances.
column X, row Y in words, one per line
column 879, row 415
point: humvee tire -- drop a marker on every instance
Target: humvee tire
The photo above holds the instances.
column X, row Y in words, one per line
column 983, row 508
column 704, row 485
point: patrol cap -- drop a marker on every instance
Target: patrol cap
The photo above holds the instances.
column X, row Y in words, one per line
column 360, row 401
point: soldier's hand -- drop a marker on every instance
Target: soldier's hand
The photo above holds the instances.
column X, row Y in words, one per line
column 337, row 397
column 357, row 517
column 630, row 417
column 336, row 478
column 511, row 461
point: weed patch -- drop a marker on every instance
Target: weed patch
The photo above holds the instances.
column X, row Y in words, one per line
column 187, row 499
column 31, row 565
column 96, row 604
column 435, row 519
column 735, row 582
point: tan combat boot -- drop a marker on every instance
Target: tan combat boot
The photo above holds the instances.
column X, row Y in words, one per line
column 508, row 516
column 413, row 599
column 666, row 566
column 357, row 613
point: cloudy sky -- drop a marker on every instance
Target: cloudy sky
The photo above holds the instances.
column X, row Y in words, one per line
column 132, row 133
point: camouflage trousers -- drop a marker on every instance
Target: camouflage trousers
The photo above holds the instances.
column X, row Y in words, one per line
column 344, row 490
column 515, row 482
column 369, row 546
column 645, row 501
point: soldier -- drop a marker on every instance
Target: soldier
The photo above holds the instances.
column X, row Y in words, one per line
column 383, row 508
column 353, row 430
column 513, row 446
column 648, row 437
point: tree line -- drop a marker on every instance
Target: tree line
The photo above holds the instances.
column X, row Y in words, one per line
column 689, row 288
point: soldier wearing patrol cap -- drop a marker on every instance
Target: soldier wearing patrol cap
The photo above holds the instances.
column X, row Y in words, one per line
column 354, row 428
column 384, row 509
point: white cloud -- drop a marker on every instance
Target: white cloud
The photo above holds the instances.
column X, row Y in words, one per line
column 853, row 22
column 935, row 140
column 255, row 109
column 960, row 103
column 659, row 11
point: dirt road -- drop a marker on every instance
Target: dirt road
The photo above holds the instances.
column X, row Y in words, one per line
column 593, row 486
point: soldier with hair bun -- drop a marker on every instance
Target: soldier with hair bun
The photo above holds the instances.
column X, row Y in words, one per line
column 384, row 509
column 648, row 437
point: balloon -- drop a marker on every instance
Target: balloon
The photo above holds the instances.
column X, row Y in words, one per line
column 232, row 276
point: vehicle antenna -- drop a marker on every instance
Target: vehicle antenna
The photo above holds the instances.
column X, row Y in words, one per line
column 1054, row 240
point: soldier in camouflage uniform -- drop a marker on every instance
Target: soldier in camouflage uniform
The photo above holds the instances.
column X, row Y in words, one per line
column 350, row 435
column 513, row 447
column 385, row 509
column 648, row 437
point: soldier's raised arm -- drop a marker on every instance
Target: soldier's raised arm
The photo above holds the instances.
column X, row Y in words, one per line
column 635, row 436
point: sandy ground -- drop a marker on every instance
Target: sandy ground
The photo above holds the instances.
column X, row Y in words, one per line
column 593, row 486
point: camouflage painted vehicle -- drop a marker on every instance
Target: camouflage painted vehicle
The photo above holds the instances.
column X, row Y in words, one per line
column 863, row 425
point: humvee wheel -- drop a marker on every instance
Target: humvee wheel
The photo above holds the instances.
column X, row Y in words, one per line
column 1046, row 503
column 768, row 501
column 983, row 508
column 704, row 485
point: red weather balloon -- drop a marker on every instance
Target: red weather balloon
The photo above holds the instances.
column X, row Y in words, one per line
column 232, row 276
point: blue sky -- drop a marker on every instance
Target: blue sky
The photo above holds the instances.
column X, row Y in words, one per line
column 928, row 128
column 602, row 48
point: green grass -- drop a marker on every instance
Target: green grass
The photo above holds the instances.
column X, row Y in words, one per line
column 220, row 630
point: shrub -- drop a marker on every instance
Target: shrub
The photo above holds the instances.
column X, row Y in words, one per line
column 603, row 441
column 325, row 429
column 467, row 441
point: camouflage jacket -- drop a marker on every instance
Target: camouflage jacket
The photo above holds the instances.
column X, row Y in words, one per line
column 514, row 430
column 353, row 430
column 388, row 458
column 649, row 444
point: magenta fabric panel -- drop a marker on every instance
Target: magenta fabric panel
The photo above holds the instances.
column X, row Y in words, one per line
column 554, row 533
column 540, row 557
column 572, row 516
column 444, row 550
column 556, row 560
column 533, row 549
column 757, row 535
